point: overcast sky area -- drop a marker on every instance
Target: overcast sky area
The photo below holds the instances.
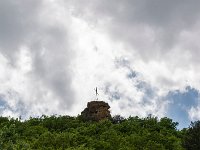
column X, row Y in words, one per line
column 143, row 55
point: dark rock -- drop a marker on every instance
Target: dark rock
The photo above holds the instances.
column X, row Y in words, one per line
column 96, row 111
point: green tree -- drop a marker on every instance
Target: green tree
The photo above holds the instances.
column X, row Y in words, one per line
column 192, row 136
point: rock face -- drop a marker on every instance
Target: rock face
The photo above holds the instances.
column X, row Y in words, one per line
column 96, row 111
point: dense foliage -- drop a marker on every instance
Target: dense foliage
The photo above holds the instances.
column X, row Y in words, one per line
column 72, row 133
column 192, row 136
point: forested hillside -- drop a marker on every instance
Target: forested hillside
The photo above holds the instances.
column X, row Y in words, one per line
column 73, row 133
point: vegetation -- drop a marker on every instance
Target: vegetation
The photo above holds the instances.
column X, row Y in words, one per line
column 72, row 133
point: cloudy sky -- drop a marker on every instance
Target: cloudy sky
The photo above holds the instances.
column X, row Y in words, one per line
column 143, row 55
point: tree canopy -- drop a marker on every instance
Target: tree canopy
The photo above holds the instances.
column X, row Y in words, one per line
column 73, row 133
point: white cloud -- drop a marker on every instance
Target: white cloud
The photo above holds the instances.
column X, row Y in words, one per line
column 54, row 53
column 194, row 113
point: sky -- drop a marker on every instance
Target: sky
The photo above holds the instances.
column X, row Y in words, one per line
column 143, row 55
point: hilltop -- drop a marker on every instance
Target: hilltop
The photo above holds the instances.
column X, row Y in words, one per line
column 111, row 133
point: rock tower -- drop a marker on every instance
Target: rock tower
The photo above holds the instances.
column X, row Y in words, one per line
column 96, row 111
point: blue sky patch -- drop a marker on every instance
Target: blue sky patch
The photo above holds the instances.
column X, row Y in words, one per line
column 180, row 103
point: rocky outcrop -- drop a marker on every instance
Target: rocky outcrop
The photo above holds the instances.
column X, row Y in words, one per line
column 96, row 111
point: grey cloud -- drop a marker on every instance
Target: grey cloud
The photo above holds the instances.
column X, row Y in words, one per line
column 148, row 26
column 17, row 24
column 52, row 65
column 176, row 13
column 23, row 23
